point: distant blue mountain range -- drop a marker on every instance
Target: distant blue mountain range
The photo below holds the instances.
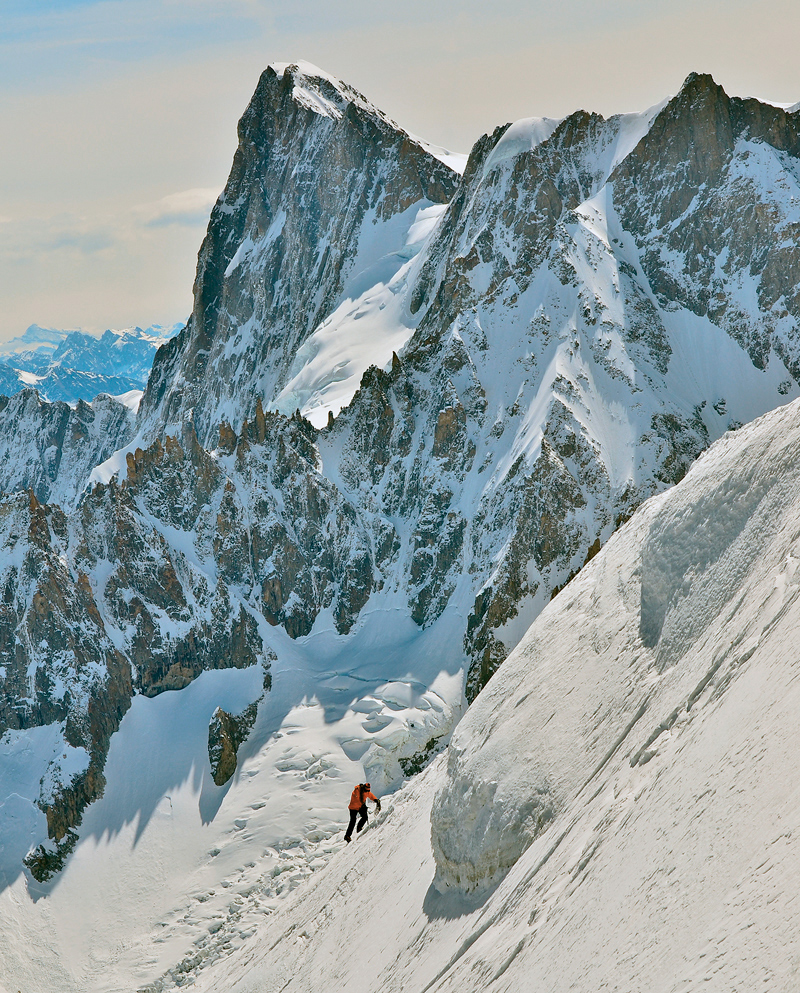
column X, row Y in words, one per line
column 73, row 365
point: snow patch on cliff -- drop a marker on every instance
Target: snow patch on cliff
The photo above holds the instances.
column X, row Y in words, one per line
column 371, row 322
column 530, row 132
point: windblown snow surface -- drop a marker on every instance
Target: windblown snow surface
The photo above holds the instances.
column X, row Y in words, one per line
column 620, row 808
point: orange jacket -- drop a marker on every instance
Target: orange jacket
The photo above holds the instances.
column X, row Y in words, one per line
column 360, row 796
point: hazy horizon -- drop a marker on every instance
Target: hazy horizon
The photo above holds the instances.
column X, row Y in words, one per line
column 120, row 115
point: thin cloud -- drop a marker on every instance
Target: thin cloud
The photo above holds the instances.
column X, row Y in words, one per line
column 85, row 242
column 44, row 42
column 35, row 239
column 188, row 207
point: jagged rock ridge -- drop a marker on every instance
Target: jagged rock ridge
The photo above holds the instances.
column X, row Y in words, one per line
column 52, row 448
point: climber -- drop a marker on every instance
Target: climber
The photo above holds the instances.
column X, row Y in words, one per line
column 358, row 805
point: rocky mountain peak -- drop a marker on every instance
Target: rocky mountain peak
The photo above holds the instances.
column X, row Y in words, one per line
column 692, row 136
column 699, row 88
column 322, row 93
column 320, row 183
column 704, row 194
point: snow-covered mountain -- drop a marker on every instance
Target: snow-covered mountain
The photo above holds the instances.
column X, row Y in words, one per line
column 34, row 338
column 67, row 403
column 551, row 375
column 129, row 352
column 408, row 408
column 616, row 809
column 70, row 366
column 321, row 203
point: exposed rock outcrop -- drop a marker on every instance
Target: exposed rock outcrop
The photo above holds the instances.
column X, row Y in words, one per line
column 226, row 732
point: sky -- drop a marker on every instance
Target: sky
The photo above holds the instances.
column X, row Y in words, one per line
column 118, row 117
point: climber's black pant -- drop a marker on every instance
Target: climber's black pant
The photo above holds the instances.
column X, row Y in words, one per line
column 353, row 815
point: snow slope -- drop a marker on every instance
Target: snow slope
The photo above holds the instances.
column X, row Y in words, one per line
column 327, row 369
column 368, row 326
column 170, row 868
column 653, row 704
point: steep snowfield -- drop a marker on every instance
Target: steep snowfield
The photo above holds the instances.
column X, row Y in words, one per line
column 369, row 325
column 625, row 131
column 652, row 708
column 327, row 369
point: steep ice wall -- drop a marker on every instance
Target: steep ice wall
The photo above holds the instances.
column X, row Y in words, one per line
column 626, row 653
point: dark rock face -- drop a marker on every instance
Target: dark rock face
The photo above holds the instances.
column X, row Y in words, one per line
column 58, row 663
column 315, row 167
column 226, row 732
column 53, row 646
column 78, row 638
